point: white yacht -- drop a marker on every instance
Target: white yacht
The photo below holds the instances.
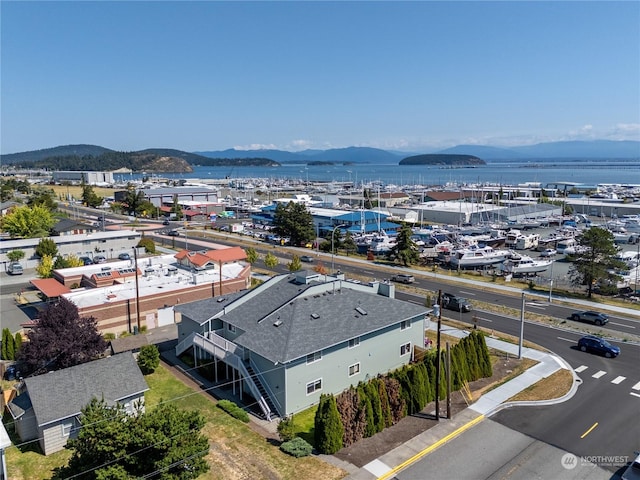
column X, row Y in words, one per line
column 476, row 256
column 525, row 265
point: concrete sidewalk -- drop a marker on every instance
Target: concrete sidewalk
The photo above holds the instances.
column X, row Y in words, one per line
column 491, row 402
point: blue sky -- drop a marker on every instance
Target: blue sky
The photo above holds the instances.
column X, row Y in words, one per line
column 295, row 75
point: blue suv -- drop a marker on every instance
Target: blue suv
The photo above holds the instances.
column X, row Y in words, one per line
column 598, row 345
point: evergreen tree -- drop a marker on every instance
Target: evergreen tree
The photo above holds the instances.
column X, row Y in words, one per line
column 385, row 406
column 373, row 393
column 328, row 427
column 46, row 246
column 18, row 344
column 364, row 403
column 405, row 249
column 162, row 443
column 594, row 262
column 293, row 220
column 148, row 359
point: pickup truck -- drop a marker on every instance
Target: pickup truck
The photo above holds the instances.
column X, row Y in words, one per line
column 453, row 302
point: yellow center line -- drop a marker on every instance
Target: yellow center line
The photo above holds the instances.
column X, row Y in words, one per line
column 432, row 447
column 589, row 431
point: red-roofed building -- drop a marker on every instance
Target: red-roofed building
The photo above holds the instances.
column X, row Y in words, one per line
column 50, row 287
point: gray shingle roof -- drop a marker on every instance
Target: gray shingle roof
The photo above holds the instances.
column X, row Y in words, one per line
column 311, row 320
column 202, row 310
column 63, row 393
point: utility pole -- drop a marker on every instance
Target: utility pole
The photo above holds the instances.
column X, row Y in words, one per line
column 521, row 328
column 135, row 262
column 448, row 382
column 438, row 357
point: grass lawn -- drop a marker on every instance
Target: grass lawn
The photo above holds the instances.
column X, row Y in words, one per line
column 236, row 451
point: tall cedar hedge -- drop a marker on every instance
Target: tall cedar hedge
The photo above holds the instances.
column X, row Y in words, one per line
column 368, row 408
column 328, row 427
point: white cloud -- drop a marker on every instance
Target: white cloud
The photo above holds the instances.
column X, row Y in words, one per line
column 257, row 146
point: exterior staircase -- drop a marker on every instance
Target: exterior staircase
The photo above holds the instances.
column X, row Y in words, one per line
column 231, row 354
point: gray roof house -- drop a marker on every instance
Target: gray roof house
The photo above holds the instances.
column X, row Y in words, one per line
column 299, row 335
column 50, row 406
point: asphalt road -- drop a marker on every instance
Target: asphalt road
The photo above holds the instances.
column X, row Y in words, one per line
column 492, row 451
column 599, row 422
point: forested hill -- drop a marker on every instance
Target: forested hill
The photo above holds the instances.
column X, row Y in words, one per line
column 91, row 157
column 443, row 159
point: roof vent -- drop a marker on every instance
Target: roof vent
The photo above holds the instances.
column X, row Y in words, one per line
column 361, row 311
column 315, row 316
column 277, row 323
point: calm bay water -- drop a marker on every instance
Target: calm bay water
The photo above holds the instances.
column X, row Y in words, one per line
column 504, row 173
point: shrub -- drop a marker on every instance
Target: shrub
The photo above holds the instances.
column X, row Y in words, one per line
column 286, row 429
column 296, row 447
column 148, row 359
column 148, row 244
column 109, row 336
column 234, row 410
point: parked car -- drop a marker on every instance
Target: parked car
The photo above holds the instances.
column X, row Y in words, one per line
column 590, row 316
column 306, row 259
column 124, row 256
column 403, row 278
column 593, row 344
column 99, row 259
column 15, row 268
column 86, row 260
column 548, row 252
column 633, row 471
column 453, row 302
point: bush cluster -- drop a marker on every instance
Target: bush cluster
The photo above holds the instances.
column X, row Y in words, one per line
column 296, row 447
column 234, row 410
column 370, row 407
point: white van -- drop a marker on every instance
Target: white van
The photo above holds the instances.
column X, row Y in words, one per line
column 14, row 269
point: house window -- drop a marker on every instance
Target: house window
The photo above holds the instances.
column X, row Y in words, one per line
column 405, row 324
column 232, row 328
column 405, row 349
column 66, row 429
column 314, row 357
column 354, row 369
column 314, row 386
column 354, row 342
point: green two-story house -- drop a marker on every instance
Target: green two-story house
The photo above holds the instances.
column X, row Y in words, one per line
column 299, row 335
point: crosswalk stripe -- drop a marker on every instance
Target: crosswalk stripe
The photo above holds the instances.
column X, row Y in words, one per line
column 581, row 368
column 618, row 380
column 599, row 374
column 636, row 386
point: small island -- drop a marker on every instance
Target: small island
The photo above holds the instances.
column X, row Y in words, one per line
column 454, row 160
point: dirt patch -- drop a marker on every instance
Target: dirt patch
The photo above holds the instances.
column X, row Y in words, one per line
column 554, row 386
column 369, row 449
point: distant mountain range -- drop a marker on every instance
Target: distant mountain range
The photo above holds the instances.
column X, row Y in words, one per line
column 602, row 149
column 70, row 155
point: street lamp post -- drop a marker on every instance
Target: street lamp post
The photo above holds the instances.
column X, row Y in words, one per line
column 551, row 281
column 333, row 234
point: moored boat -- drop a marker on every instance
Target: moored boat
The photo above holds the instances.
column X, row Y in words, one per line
column 476, row 256
column 525, row 265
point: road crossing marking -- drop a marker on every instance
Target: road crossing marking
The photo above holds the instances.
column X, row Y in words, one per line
column 636, row 386
column 618, row 380
column 635, row 394
column 599, row 374
column 581, row 368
